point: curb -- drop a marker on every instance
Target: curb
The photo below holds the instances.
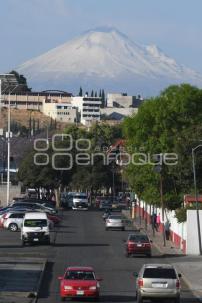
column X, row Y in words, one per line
column 40, row 280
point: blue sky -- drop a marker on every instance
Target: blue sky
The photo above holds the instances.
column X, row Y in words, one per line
column 30, row 27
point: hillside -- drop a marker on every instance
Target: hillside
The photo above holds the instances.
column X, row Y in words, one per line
column 22, row 117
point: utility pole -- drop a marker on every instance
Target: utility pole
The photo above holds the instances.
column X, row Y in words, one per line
column 163, row 208
column 8, row 135
column 159, row 169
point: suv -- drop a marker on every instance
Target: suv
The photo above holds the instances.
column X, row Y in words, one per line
column 158, row 281
column 80, row 201
column 138, row 243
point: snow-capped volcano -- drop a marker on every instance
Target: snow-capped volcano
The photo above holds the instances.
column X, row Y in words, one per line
column 106, row 58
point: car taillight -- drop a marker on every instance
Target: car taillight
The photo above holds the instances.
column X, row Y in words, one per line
column 4, row 217
column 147, row 244
column 140, row 283
column 131, row 243
column 178, row 284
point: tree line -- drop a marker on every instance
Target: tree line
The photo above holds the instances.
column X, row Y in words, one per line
column 169, row 123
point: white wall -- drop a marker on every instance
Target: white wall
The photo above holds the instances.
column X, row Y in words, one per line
column 192, row 232
column 178, row 229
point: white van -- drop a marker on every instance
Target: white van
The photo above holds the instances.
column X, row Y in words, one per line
column 35, row 228
column 80, row 201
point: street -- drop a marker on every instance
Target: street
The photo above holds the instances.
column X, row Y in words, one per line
column 82, row 240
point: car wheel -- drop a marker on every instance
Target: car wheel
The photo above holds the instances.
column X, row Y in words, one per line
column 13, row 227
column 62, row 299
column 149, row 255
column 177, row 300
column 123, row 228
column 106, row 228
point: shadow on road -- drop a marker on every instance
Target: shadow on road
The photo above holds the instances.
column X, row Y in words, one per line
column 80, row 244
column 108, row 299
column 45, row 285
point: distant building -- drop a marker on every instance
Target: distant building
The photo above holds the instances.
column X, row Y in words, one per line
column 61, row 112
column 88, row 107
column 123, row 101
column 111, row 113
column 34, row 100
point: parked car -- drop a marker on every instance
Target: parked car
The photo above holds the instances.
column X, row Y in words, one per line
column 33, row 206
column 13, row 220
column 67, row 199
column 79, row 282
column 54, row 218
column 138, row 243
column 115, row 222
column 35, row 228
column 158, row 281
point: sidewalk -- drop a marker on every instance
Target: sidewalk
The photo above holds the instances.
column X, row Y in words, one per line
column 157, row 237
column 190, row 267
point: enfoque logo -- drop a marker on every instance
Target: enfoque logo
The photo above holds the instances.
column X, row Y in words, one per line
column 80, row 152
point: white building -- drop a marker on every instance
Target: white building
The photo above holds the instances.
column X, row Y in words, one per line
column 61, row 112
column 88, row 107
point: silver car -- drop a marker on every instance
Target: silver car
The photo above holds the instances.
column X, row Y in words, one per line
column 13, row 220
column 158, row 281
column 115, row 222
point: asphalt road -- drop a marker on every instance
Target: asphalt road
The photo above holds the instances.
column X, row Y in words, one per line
column 82, row 240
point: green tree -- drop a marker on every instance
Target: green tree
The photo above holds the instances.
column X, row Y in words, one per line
column 21, row 80
column 169, row 123
column 80, row 92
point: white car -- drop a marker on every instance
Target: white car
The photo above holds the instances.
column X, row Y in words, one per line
column 35, row 228
column 115, row 222
column 80, row 201
column 13, row 220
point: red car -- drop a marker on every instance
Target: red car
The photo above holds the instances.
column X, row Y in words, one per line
column 138, row 243
column 55, row 219
column 79, row 282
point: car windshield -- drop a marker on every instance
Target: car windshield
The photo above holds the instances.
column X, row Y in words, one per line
column 79, row 275
column 139, row 238
column 80, row 197
column 159, row 273
column 35, row 223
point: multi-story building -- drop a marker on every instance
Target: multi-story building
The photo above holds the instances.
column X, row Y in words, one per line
column 61, row 112
column 88, row 107
column 34, row 100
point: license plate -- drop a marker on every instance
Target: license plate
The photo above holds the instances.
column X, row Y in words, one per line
column 139, row 245
column 80, row 292
column 35, row 239
column 159, row 285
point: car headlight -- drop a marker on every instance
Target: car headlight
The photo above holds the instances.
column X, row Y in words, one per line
column 67, row 287
column 92, row 287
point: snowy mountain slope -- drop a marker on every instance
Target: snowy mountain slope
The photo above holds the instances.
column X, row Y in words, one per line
column 109, row 59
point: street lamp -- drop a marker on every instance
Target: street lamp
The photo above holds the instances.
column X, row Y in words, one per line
column 8, row 133
column 196, row 198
